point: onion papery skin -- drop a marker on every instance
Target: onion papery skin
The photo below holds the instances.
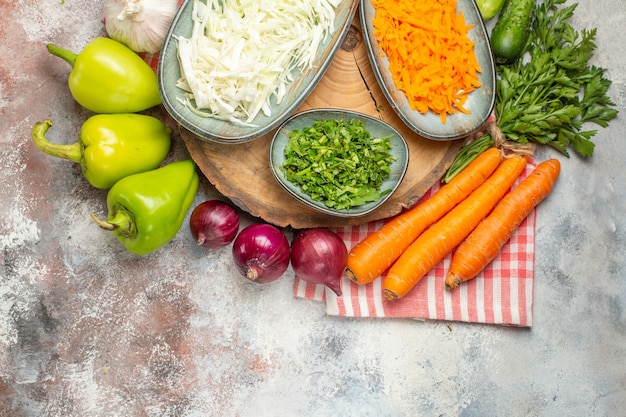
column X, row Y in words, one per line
column 319, row 256
column 261, row 253
column 214, row 224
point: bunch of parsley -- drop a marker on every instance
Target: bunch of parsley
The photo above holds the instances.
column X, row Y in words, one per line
column 548, row 97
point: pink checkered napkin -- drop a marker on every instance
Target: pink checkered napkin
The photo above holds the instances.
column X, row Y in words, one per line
column 151, row 59
column 501, row 294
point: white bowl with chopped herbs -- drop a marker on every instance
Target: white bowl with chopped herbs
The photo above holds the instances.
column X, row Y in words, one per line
column 340, row 162
column 230, row 72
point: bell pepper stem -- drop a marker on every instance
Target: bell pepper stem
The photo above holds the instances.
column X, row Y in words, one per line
column 103, row 224
column 122, row 221
column 68, row 56
column 72, row 152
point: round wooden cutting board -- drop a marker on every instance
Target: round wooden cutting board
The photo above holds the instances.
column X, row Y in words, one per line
column 241, row 172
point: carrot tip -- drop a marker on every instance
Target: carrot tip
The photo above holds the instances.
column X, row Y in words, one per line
column 351, row 276
column 452, row 282
column 390, row 295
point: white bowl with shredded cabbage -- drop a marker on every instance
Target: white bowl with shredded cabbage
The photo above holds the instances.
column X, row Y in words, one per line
column 233, row 70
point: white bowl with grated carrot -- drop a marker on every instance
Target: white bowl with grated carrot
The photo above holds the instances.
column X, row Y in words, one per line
column 433, row 62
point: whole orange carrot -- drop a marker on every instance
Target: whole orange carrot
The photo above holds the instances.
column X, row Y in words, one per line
column 373, row 255
column 443, row 236
column 487, row 239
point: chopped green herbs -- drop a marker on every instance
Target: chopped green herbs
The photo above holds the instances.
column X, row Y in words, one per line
column 338, row 162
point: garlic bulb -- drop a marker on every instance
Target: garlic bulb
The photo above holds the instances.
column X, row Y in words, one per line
column 139, row 24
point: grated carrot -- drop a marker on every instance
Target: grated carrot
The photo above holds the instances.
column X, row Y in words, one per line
column 431, row 58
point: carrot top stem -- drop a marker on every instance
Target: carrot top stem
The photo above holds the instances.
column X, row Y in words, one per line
column 492, row 136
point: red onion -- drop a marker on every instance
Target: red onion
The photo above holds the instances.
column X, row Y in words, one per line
column 214, row 224
column 319, row 256
column 261, row 253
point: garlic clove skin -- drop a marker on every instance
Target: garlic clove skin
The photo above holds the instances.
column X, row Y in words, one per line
column 139, row 24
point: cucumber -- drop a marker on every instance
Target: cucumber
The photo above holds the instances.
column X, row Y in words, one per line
column 489, row 8
column 510, row 33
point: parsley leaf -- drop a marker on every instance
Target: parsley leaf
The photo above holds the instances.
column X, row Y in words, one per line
column 550, row 96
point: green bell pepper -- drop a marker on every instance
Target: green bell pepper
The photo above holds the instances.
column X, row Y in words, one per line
column 111, row 146
column 146, row 211
column 109, row 77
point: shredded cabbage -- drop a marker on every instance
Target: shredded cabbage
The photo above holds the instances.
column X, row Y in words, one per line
column 243, row 52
